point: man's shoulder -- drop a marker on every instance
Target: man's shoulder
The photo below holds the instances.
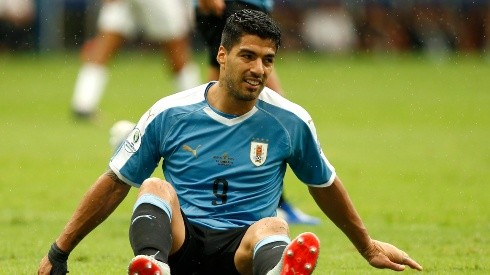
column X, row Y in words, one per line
column 277, row 103
column 196, row 94
column 185, row 98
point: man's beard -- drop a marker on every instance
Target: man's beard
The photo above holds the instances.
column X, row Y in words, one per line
column 236, row 91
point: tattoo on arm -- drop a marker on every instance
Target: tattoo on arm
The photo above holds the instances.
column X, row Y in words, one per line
column 114, row 177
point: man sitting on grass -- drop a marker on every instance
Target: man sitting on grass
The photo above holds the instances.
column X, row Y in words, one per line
column 225, row 147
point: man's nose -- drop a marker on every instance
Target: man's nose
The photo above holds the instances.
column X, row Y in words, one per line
column 257, row 67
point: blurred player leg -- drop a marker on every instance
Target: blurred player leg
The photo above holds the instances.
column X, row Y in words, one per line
column 186, row 73
column 115, row 24
column 294, row 215
column 170, row 23
column 92, row 77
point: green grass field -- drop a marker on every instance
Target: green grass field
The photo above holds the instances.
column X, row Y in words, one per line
column 408, row 137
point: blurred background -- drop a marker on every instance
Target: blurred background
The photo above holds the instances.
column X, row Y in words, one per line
column 339, row 27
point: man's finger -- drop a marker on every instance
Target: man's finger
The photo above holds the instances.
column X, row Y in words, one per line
column 411, row 263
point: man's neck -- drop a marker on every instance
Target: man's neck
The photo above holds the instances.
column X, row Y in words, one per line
column 219, row 98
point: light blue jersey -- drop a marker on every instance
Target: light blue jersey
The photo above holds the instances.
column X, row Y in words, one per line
column 227, row 171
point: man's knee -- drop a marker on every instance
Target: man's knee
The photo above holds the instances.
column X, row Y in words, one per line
column 272, row 226
column 266, row 227
column 158, row 187
column 262, row 229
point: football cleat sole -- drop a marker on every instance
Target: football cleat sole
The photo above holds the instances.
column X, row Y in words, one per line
column 301, row 255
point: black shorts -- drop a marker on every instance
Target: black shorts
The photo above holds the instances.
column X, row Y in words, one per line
column 206, row 251
column 211, row 26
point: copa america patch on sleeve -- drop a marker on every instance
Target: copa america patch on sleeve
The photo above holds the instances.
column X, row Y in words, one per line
column 133, row 142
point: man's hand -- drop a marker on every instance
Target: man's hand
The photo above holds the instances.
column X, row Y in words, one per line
column 55, row 263
column 46, row 268
column 215, row 7
column 385, row 255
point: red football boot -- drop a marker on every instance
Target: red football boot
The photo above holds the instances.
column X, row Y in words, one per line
column 147, row 265
column 301, row 255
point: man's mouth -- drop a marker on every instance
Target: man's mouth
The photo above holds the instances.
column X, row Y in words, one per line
column 253, row 82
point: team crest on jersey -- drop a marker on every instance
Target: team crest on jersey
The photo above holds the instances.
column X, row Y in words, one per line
column 258, row 152
column 133, row 142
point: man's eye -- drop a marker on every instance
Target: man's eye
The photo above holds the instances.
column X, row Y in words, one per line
column 269, row 61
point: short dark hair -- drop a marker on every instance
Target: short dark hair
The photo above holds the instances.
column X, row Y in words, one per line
column 251, row 22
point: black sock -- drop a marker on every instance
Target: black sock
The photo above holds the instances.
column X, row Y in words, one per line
column 150, row 232
column 267, row 257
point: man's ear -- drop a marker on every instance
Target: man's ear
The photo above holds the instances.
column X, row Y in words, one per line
column 221, row 56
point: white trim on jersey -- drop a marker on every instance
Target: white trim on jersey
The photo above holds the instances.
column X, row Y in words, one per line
column 229, row 121
column 271, row 97
column 184, row 98
column 237, row 175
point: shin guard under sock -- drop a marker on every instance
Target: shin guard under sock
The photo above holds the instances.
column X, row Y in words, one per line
column 150, row 232
column 267, row 256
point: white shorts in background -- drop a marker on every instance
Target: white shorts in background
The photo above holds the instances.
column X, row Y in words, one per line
column 14, row 9
column 157, row 20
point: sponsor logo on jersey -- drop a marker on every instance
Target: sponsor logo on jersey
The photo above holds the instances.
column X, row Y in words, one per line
column 258, row 152
column 189, row 149
column 149, row 115
column 133, row 141
column 224, row 160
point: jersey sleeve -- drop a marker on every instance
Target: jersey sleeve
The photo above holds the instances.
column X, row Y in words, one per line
column 136, row 159
column 305, row 155
column 307, row 160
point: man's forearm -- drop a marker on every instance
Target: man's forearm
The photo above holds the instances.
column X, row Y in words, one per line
column 336, row 204
column 96, row 205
